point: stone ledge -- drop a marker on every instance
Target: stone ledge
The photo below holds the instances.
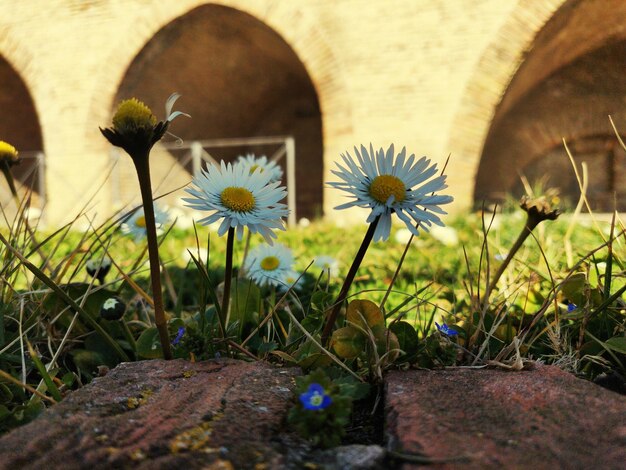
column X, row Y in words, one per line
column 542, row 419
column 230, row 414
column 161, row 414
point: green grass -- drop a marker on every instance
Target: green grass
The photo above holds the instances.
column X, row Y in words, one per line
column 52, row 303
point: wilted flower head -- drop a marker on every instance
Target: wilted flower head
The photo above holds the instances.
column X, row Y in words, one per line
column 262, row 164
column 327, row 264
column 135, row 223
column 8, row 154
column 135, row 128
column 388, row 184
column 268, row 264
column 240, row 198
column 113, row 309
column 291, row 280
column 315, row 398
column 98, row 267
column 545, row 207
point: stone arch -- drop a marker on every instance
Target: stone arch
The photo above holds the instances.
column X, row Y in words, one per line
column 567, row 85
column 484, row 91
column 300, row 32
column 19, row 122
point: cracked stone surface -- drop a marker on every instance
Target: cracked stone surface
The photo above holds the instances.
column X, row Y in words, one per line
column 481, row 419
column 228, row 414
column 161, row 414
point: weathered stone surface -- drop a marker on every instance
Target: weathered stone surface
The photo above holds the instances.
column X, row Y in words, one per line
column 359, row 457
column 161, row 414
column 230, row 414
column 541, row 418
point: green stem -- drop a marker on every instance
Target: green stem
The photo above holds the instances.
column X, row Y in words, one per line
column 531, row 223
column 41, row 368
column 246, row 248
column 228, row 274
column 129, row 336
column 8, row 175
column 67, row 299
column 142, row 165
column 343, row 294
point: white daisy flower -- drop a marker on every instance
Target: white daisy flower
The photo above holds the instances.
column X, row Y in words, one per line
column 327, row 264
column 387, row 185
column 291, row 279
column 240, row 198
column 268, row 264
column 446, row 235
column 253, row 163
column 402, row 236
column 135, row 223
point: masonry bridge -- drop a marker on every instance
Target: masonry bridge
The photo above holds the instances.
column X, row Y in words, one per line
column 496, row 84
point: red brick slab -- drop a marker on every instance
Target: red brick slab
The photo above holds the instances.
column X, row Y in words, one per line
column 543, row 418
column 161, row 414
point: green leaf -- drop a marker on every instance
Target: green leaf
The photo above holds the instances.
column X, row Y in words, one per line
column 5, row 394
column 4, row 412
column 69, row 379
column 149, row 344
column 265, row 348
column 95, row 343
column 87, row 361
column 348, row 342
column 407, row 339
column 617, row 343
column 359, row 310
column 573, row 288
column 315, row 360
column 245, row 303
column 309, row 355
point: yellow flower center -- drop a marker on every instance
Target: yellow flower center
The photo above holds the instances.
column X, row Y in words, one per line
column 316, row 399
column 132, row 115
column 140, row 221
column 7, row 152
column 270, row 263
column 384, row 186
column 237, row 199
column 254, row 167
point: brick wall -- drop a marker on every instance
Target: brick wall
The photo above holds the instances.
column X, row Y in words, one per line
column 427, row 74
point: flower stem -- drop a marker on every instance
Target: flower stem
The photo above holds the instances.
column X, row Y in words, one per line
column 228, row 274
column 129, row 336
column 343, row 294
column 8, row 175
column 531, row 223
column 142, row 165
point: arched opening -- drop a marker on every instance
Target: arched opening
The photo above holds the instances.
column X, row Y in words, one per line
column 569, row 83
column 19, row 125
column 237, row 78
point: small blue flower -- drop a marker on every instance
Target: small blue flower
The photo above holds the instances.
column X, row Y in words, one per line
column 315, row 398
column 446, row 330
column 571, row 307
column 179, row 335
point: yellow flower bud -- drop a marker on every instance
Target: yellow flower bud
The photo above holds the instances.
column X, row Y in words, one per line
column 133, row 115
column 8, row 153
